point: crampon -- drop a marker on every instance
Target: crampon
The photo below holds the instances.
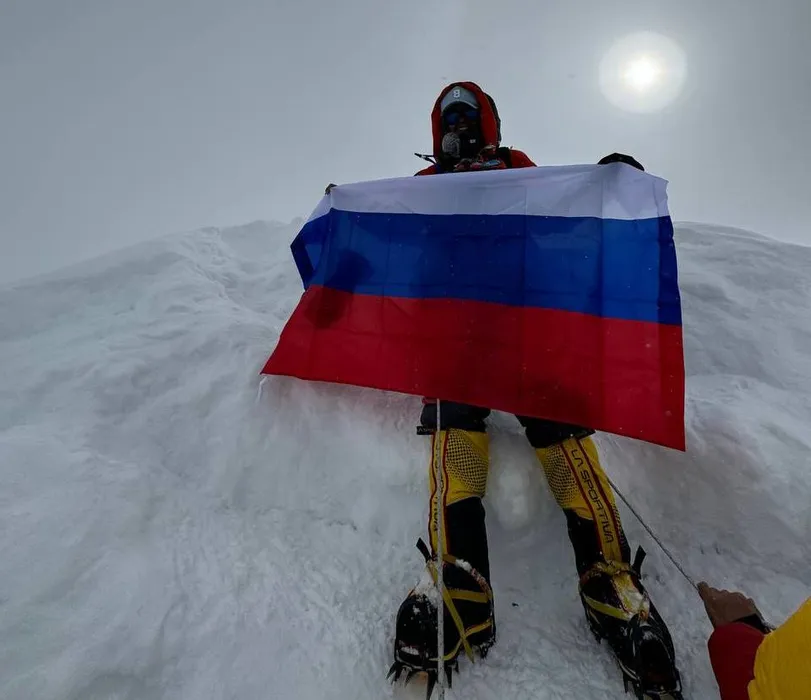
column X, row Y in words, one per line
column 619, row 610
column 469, row 625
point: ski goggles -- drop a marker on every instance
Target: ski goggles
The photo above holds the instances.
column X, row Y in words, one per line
column 452, row 117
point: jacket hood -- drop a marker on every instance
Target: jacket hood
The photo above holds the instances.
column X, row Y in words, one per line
column 490, row 121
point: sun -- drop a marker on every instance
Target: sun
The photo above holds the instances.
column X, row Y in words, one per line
column 643, row 72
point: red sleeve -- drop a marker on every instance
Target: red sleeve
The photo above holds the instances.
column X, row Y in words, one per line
column 732, row 654
column 519, row 159
column 430, row 170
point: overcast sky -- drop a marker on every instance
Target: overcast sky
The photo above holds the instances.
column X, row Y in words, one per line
column 122, row 120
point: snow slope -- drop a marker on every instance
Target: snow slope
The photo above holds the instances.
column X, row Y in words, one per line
column 169, row 530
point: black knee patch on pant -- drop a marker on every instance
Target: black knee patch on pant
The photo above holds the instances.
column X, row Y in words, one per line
column 467, row 534
column 455, row 415
column 545, row 433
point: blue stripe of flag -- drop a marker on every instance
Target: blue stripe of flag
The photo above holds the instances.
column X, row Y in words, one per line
column 612, row 268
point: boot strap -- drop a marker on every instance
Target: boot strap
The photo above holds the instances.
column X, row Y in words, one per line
column 614, row 569
column 610, row 568
column 451, row 594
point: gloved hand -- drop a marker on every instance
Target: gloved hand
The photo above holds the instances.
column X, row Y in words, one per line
column 474, row 164
column 329, row 187
column 621, row 158
column 488, row 159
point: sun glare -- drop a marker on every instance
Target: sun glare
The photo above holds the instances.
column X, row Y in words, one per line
column 643, row 72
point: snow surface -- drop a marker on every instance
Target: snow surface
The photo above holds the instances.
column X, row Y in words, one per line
column 170, row 530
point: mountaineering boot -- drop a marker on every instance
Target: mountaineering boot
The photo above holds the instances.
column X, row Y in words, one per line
column 619, row 610
column 462, row 458
column 469, row 624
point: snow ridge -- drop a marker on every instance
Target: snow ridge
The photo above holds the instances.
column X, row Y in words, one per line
column 168, row 531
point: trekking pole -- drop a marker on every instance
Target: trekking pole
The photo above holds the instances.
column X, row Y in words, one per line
column 440, row 555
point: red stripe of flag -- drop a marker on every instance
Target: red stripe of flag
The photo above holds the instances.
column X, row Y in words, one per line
column 620, row 376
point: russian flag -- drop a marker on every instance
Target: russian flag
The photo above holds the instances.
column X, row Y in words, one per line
column 548, row 292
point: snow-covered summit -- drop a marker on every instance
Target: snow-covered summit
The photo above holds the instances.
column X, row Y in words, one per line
column 169, row 529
